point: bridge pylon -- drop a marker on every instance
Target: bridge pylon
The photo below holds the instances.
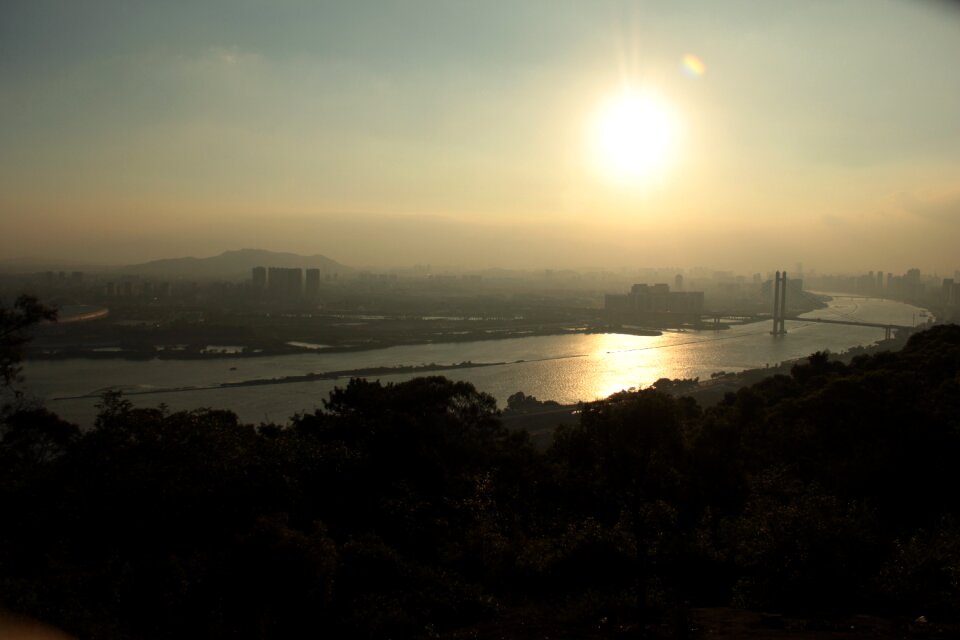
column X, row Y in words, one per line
column 779, row 304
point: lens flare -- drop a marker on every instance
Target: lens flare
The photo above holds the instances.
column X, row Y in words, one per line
column 693, row 66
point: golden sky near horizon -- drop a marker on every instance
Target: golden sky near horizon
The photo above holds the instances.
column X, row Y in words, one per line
column 738, row 135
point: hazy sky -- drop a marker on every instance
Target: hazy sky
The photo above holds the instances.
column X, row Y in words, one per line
column 826, row 132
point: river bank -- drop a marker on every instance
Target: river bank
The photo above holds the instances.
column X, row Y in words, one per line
column 710, row 392
column 566, row 368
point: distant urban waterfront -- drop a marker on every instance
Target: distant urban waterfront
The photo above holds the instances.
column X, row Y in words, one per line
column 566, row 368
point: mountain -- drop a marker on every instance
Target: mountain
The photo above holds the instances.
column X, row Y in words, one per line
column 233, row 264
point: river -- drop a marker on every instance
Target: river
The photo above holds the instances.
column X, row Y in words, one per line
column 564, row 368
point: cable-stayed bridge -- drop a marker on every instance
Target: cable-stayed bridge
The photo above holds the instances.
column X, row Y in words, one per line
column 779, row 315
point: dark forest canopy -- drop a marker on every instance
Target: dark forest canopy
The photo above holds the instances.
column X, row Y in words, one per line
column 408, row 510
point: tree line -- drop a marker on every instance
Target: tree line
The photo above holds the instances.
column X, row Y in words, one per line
column 408, row 510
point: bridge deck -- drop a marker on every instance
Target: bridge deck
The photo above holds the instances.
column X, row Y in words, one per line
column 767, row 317
column 852, row 323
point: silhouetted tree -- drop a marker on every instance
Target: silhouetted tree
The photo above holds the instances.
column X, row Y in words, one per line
column 15, row 324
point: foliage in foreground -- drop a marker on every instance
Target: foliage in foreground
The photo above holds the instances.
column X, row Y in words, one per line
column 404, row 510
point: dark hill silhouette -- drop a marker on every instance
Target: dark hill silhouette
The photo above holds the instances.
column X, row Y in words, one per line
column 234, row 264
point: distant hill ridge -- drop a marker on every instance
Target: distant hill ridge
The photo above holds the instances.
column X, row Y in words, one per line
column 234, row 264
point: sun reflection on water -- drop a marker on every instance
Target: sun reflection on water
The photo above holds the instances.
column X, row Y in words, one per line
column 620, row 362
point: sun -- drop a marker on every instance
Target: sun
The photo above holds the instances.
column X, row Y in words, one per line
column 633, row 136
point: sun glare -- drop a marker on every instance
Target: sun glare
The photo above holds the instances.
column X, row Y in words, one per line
column 634, row 134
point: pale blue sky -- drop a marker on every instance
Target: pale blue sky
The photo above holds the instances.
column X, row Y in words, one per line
column 826, row 132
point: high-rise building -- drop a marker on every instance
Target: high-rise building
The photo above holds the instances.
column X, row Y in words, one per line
column 259, row 278
column 283, row 282
column 947, row 294
column 277, row 282
column 294, row 283
column 313, row 283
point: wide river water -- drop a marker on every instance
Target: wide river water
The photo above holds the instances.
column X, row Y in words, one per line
column 564, row 368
